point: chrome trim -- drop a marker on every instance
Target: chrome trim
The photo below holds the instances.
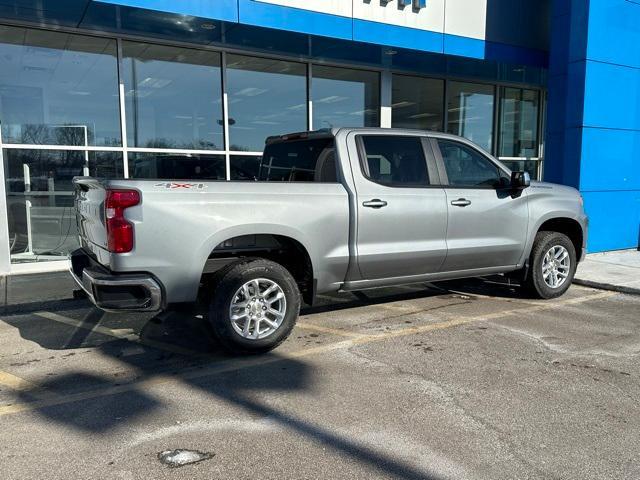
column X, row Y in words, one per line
column 91, row 279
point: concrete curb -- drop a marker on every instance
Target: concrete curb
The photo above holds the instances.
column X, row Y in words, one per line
column 607, row 286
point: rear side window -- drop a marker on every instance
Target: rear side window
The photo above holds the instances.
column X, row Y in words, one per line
column 394, row 160
column 300, row 161
column 468, row 168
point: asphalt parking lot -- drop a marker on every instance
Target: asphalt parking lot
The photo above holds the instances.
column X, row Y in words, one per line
column 467, row 380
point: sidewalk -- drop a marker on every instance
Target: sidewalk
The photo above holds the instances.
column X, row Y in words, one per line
column 35, row 290
column 618, row 271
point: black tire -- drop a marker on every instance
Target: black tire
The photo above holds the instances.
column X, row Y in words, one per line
column 227, row 284
column 535, row 283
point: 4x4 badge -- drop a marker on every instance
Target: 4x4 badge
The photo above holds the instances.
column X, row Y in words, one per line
column 174, row 185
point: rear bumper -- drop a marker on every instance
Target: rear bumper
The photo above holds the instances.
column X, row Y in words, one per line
column 137, row 292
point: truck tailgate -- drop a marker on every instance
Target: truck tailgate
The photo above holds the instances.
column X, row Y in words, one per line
column 89, row 203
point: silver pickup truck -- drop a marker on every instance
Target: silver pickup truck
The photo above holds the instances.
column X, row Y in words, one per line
column 332, row 210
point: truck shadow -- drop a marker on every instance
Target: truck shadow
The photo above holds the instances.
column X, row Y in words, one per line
column 153, row 355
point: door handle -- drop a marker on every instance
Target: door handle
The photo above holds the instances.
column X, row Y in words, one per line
column 461, row 202
column 375, row 203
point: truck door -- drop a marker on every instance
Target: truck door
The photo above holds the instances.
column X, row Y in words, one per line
column 401, row 208
column 487, row 221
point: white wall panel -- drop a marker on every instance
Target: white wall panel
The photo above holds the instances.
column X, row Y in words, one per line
column 429, row 18
column 467, row 18
column 333, row 7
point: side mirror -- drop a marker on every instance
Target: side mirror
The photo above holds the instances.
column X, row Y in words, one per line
column 520, row 180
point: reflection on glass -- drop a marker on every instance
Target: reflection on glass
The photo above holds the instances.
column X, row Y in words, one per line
column 58, row 88
column 417, row 103
column 345, row 98
column 470, row 112
column 312, row 160
column 172, row 166
column 173, row 97
column 531, row 166
column 42, row 224
column 266, row 97
column 245, row 167
column 519, row 123
column 395, row 161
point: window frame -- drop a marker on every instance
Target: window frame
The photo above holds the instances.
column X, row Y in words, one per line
column 433, row 173
column 461, row 141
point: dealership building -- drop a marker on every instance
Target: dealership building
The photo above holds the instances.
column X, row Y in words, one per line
column 191, row 89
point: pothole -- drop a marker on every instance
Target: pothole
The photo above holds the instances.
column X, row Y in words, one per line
column 181, row 457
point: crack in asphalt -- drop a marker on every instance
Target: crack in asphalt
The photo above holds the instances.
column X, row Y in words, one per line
column 501, row 436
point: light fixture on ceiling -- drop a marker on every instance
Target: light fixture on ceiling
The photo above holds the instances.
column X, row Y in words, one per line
column 208, row 26
column 390, row 52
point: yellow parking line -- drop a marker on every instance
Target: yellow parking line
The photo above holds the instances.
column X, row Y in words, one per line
column 320, row 328
column 121, row 334
column 18, row 384
column 241, row 364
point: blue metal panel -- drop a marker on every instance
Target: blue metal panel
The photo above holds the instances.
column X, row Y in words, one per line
column 216, row 9
column 294, row 19
column 151, row 23
column 614, row 219
column 614, row 32
column 54, row 12
column 594, row 114
column 395, row 36
column 512, row 54
column 612, row 96
column 463, row 46
column 610, row 159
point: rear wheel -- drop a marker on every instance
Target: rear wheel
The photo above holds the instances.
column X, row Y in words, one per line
column 254, row 306
column 552, row 265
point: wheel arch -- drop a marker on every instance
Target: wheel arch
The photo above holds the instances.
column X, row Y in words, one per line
column 569, row 227
column 560, row 223
column 281, row 245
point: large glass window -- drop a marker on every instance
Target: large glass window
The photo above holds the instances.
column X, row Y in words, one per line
column 42, row 224
column 172, row 166
column 395, row 161
column 470, row 112
column 417, row 103
column 58, row 88
column 345, row 98
column 530, row 166
column 266, row 97
column 173, row 97
column 519, row 123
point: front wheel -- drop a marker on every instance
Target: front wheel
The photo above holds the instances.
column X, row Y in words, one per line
column 254, row 306
column 552, row 265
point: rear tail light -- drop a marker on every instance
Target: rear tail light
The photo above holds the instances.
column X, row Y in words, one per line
column 119, row 229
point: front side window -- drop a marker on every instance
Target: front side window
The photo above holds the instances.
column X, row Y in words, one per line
column 467, row 167
column 300, row 161
column 395, row 161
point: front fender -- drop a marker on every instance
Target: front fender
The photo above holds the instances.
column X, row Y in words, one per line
column 579, row 217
